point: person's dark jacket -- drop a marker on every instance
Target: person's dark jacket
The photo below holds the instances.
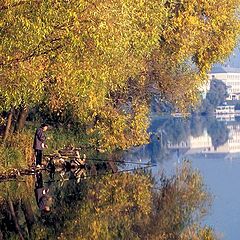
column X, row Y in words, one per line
column 39, row 139
column 43, row 199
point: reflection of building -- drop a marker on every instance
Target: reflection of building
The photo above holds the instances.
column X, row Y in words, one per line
column 225, row 113
column 231, row 77
column 233, row 143
column 226, row 117
column 225, row 109
column 203, row 144
column 194, row 144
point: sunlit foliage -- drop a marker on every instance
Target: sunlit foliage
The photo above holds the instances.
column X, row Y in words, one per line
column 193, row 38
column 81, row 55
column 17, row 151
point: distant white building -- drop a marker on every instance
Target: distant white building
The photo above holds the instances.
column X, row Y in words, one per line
column 228, row 109
column 231, row 77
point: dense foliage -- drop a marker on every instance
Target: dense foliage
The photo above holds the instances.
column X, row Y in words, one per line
column 100, row 62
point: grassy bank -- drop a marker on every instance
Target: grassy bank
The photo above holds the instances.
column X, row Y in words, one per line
column 17, row 151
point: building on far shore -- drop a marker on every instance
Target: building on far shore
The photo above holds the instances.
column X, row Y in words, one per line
column 225, row 109
column 230, row 76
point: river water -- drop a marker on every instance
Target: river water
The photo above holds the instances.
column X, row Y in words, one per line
column 213, row 147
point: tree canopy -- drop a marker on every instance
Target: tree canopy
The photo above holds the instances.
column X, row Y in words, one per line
column 101, row 61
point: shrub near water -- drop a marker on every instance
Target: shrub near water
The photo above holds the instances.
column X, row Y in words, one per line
column 61, row 138
column 17, row 151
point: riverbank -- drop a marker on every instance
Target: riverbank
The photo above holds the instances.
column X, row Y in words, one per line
column 17, row 152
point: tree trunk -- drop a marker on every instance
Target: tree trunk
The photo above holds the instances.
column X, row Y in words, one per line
column 15, row 220
column 28, row 213
column 8, row 126
column 21, row 118
column 1, row 235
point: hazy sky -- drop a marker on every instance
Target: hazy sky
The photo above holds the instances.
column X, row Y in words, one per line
column 234, row 59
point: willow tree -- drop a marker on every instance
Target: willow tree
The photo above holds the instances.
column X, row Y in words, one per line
column 196, row 34
column 95, row 58
column 85, row 51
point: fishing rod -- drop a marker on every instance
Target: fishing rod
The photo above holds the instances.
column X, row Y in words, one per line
column 117, row 161
column 105, row 160
column 104, row 174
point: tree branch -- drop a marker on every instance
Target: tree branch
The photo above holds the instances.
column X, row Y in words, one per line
column 27, row 58
column 6, row 7
column 15, row 220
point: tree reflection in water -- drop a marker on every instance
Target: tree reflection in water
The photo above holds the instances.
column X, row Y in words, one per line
column 111, row 206
column 171, row 130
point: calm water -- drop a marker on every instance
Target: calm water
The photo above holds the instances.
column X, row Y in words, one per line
column 213, row 147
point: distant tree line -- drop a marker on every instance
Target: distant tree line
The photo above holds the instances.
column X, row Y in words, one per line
column 216, row 96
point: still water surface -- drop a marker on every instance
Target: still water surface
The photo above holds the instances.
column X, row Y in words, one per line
column 213, row 147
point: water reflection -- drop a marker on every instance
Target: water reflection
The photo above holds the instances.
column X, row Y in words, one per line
column 181, row 136
column 212, row 145
column 43, row 196
column 36, row 207
column 111, row 206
